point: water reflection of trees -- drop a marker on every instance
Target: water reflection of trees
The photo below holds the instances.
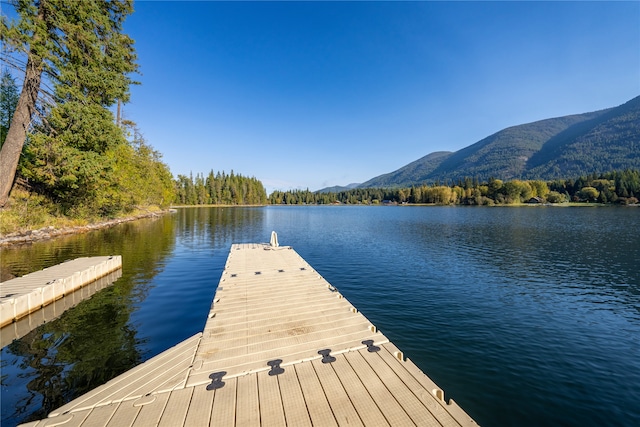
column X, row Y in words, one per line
column 94, row 341
column 216, row 227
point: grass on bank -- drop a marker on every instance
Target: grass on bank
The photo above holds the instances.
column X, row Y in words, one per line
column 29, row 211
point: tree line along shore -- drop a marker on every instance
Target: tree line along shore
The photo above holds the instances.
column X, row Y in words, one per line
column 29, row 219
column 618, row 187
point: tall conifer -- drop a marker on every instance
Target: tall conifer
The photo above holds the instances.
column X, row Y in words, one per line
column 77, row 47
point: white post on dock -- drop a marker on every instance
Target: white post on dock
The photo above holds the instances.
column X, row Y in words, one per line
column 274, row 240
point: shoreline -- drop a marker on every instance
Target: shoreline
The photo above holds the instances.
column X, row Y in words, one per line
column 50, row 232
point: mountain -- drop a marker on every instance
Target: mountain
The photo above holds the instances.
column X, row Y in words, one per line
column 560, row 147
column 411, row 173
column 338, row 188
column 608, row 142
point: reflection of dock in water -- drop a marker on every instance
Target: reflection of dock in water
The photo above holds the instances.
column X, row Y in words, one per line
column 27, row 294
column 281, row 346
column 28, row 323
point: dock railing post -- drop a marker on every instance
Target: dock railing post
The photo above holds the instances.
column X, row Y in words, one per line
column 274, row 240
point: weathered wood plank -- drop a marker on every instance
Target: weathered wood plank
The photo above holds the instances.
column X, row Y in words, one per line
column 295, row 409
column 248, row 404
column 200, row 407
column 363, row 402
column 271, row 408
column 314, row 396
column 224, row 405
column 343, row 410
column 175, row 413
column 393, row 412
column 152, row 411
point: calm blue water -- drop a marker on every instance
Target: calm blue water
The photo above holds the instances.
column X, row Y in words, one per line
column 525, row 316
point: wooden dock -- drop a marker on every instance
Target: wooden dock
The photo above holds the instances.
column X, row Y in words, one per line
column 24, row 295
column 281, row 347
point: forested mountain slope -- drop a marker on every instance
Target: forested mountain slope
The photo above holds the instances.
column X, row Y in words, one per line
column 608, row 142
column 338, row 188
column 560, row 147
column 412, row 173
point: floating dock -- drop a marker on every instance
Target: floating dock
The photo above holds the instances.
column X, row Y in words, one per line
column 28, row 323
column 24, row 295
column 281, row 347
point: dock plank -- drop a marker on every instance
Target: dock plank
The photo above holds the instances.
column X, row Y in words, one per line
column 199, row 413
column 393, row 412
column 49, row 312
column 292, row 354
column 367, row 408
column 295, row 409
column 248, row 403
column 175, row 413
column 401, row 368
column 343, row 410
column 141, row 380
column 151, row 412
column 224, row 405
column 314, row 396
column 125, row 415
column 413, row 407
column 100, row 416
column 271, row 409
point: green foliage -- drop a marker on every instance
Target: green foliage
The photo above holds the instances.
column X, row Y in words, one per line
column 76, row 155
column 85, row 165
column 67, row 159
column 142, row 179
column 84, row 52
column 219, row 189
column 588, row 194
column 8, row 102
column 555, row 197
column 28, row 208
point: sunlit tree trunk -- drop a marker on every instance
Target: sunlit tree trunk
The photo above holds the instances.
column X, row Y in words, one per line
column 17, row 134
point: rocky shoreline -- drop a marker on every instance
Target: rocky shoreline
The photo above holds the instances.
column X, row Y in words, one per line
column 46, row 233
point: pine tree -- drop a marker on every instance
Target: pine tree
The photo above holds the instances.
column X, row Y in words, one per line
column 81, row 50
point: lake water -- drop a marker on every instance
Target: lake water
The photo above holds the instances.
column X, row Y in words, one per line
column 525, row 316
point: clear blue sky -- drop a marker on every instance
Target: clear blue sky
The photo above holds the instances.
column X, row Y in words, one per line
column 315, row 94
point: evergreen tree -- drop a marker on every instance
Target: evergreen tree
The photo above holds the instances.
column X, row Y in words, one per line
column 220, row 189
column 81, row 50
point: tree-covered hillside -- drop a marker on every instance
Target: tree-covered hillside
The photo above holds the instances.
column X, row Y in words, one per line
column 548, row 149
column 610, row 141
column 411, row 173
